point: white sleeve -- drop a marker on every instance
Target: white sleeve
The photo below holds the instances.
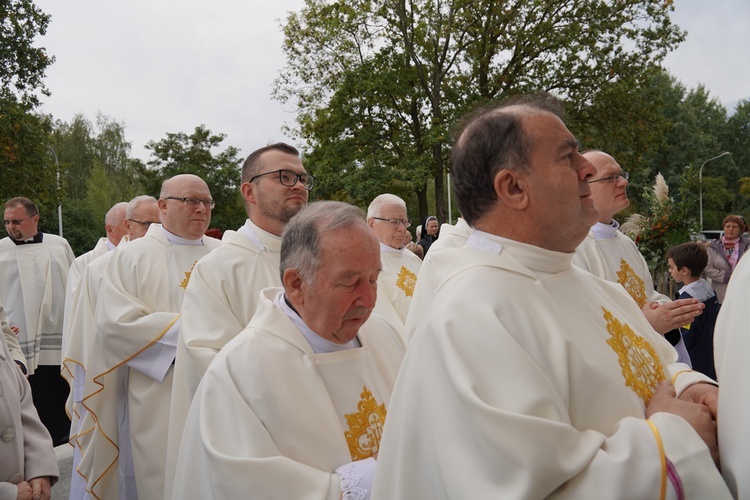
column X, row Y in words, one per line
column 156, row 360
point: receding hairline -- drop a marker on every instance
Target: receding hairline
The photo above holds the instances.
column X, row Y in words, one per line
column 181, row 181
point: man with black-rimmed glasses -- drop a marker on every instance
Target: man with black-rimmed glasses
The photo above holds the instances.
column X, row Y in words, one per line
column 225, row 286
column 388, row 219
column 138, row 321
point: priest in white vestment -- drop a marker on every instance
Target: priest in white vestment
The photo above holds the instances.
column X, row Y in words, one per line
column 731, row 356
column 529, row 377
column 115, row 229
column 387, row 217
column 140, row 213
column 451, row 236
column 225, row 286
column 33, row 276
column 608, row 253
column 294, row 406
column 137, row 325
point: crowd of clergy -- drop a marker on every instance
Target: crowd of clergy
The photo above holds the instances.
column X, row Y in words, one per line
column 311, row 353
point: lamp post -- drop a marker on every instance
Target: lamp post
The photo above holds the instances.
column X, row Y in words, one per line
column 59, row 198
column 700, row 182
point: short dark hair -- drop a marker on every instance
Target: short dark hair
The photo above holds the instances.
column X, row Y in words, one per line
column 692, row 255
column 252, row 164
column 492, row 139
column 28, row 205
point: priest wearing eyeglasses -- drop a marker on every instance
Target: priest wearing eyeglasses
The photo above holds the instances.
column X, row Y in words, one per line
column 224, row 289
column 33, row 275
column 138, row 322
column 387, row 217
column 609, row 254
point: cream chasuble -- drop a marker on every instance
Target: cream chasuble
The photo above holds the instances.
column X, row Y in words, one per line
column 396, row 282
column 529, row 379
column 272, row 419
column 450, row 237
column 220, row 301
column 617, row 259
column 80, row 263
column 137, row 322
column 34, row 277
column 83, row 428
column 611, row 255
column 731, row 355
column 72, row 363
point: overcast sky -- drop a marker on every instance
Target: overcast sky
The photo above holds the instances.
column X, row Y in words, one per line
column 170, row 65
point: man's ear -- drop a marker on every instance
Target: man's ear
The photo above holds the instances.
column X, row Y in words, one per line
column 294, row 285
column 248, row 192
column 511, row 189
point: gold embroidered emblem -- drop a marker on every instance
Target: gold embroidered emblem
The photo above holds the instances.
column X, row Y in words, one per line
column 365, row 427
column 184, row 282
column 633, row 283
column 406, row 281
column 641, row 365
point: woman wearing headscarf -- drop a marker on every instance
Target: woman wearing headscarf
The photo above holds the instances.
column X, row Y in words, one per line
column 430, row 230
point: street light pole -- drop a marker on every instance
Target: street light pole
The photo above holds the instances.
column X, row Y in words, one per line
column 700, row 182
column 59, row 198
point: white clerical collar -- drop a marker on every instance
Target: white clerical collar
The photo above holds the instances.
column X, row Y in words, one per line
column 700, row 290
column 603, row 231
column 178, row 240
column 110, row 246
column 261, row 238
column 385, row 248
column 533, row 257
column 319, row 344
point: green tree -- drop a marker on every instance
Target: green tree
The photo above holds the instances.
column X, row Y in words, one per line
column 737, row 140
column 22, row 65
column 379, row 83
column 180, row 153
column 27, row 166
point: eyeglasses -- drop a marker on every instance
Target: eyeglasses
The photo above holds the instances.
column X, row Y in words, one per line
column 15, row 222
column 142, row 223
column 395, row 222
column 289, row 178
column 193, row 202
column 612, row 178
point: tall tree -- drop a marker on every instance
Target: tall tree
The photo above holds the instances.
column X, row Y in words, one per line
column 22, row 65
column 27, row 166
column 379, row 83
column 180, row 153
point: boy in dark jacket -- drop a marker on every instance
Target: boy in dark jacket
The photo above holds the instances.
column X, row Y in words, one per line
column 686, row 263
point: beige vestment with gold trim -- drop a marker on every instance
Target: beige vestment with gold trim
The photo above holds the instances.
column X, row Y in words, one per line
column 529, row 378
column 272, row 419
column 139, row 303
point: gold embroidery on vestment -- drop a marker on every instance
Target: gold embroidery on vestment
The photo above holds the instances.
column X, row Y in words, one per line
column 365, row 427
column 641, row 366
column 184, row 282
column 633, row 283
column 406, row 281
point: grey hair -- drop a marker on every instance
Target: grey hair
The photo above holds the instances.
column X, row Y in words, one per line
column 386, row 199
column 118, row 211
column 301, row 239
column 137, row 202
